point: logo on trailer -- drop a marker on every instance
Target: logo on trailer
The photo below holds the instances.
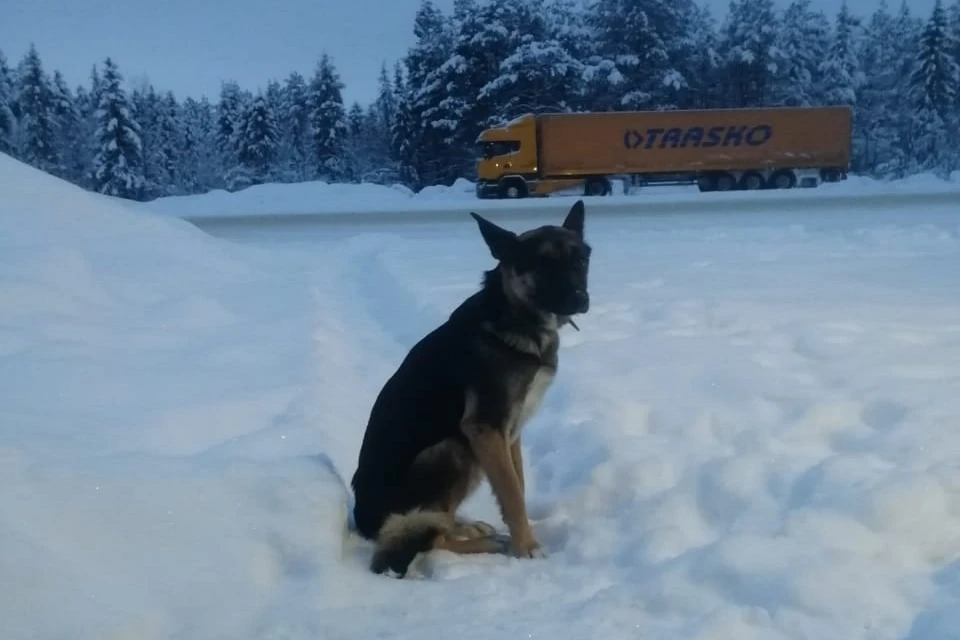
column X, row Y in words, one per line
column 677, row 138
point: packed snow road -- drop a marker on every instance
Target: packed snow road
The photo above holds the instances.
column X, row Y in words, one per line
column 754, row 434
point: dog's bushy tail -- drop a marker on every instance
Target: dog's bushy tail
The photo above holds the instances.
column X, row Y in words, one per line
column 404, row 535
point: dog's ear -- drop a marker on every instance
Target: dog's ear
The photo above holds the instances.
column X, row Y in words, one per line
column 574, row 219
column 499, row 240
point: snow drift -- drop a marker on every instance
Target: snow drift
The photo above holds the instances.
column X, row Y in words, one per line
column 125, row 360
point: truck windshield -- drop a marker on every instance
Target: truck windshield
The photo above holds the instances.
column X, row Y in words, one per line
column 501, row 148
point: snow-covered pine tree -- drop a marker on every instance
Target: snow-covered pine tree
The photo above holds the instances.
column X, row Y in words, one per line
column 904, row 48
column 875, row 120
column 702, row 66
column 403, row 134
column 538, row 77
column 7, row 121
column 87, row 101
column 355, row 152
column 424, row 143
column 67, row 119
column 629, row 40
column 170, row 144
column 386, row 102
column 230, row 109
column 258, row 145
column 934, row 90
column 37, row 127
column 650, row 43
column 295, row 130
column 840, row 73
column 118, row 164
column 804, row 40
column 564, row 22
column 145, row 111
column 693, row 59
column 752, row 58
column 199, row 166
column 327, row 121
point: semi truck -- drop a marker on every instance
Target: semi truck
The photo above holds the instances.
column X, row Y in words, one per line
column 715, row 149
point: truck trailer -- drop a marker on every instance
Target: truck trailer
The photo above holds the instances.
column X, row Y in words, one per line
column 716, row 149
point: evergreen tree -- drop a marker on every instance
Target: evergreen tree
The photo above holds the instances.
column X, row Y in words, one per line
column 37, row 128
column 327, row 121
column 629, row 39
column 199, row 166
column 840, row 73
column 118, row 164
column 539, row 77
column 425, row 144
column 295, row 129
column 230, row 109
column 703, row 64
column 259, row 142
column 804, row 41
column 67, row 118
column 880, row 103
column 7, row 121
column 386, row 102
column 933, row 88
column 402, row 133
column 751, row 54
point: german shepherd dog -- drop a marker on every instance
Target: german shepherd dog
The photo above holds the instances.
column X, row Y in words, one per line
column 452, row 412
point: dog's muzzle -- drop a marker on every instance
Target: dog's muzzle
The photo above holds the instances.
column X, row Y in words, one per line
column 579, row 302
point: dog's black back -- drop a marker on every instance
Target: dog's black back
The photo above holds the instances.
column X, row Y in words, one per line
column 483, row 361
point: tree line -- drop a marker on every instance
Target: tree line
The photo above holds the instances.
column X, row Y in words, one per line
column 485, row 63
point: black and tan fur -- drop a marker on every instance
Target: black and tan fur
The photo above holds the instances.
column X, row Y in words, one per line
column 452, row 413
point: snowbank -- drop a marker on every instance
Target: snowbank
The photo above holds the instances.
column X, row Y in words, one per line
column 318, row 197
column 132, row 349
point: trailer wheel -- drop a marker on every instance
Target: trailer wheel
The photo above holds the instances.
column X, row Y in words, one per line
column 783, row 179
column 751, row 181
column 596, row 187
column 724, row 182
column 514, row 188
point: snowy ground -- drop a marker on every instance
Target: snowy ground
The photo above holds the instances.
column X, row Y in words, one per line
column 753, row 436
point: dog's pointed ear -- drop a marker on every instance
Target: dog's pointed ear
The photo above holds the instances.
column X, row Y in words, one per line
column 574, row 219
column 499, row 240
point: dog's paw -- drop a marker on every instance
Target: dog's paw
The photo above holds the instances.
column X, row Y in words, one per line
column 527, row 548
column 473, row 529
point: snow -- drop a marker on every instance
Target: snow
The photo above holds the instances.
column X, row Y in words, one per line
column 752, row 436
column 319, row 197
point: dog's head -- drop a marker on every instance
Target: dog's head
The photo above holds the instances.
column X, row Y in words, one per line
column 545, row 268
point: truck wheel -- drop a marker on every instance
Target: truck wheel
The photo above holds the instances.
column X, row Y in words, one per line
column 596, row 187
column 513, row 189
column 725, row 182
column 751, row 181
column 783, row 179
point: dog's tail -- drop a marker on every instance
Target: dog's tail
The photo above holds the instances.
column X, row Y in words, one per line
column 404, row 535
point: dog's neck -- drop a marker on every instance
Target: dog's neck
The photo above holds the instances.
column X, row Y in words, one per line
column 518, row 324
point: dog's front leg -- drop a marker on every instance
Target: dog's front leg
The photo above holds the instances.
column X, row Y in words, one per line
column 516, row 455
column 492, row 449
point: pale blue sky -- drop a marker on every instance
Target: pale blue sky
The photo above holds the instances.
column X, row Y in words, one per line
column 189, row 46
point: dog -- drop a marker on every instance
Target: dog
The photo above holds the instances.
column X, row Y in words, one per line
column 452, row 412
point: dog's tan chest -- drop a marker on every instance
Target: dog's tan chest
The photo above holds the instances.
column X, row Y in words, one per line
column 532, row 398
